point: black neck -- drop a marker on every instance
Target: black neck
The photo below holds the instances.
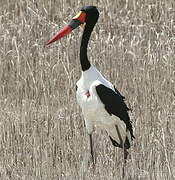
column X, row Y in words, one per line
column 85, row 64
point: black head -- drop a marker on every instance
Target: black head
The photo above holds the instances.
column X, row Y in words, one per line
column 92, row 13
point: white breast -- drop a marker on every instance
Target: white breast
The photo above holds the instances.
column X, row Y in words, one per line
column 89, row 79
column 92, row 108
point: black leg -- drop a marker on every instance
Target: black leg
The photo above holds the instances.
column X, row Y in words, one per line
column 125, row 155
column 91, row 148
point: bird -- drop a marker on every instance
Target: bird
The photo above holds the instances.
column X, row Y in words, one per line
column 102, row 105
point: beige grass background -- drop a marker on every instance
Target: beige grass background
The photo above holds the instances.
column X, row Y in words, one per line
column 42, row 133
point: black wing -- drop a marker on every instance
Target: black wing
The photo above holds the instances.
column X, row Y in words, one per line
column 114, row 104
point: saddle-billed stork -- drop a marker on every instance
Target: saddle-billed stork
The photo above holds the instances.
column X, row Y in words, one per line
column 101, row 103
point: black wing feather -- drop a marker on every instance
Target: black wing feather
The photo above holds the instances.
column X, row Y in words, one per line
column 114, row 104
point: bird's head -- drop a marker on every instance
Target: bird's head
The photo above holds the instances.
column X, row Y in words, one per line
column 88, row 15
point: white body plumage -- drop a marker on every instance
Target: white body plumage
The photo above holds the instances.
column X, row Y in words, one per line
column 93, row 109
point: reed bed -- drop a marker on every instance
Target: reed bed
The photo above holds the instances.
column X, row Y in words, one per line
column 42, row 133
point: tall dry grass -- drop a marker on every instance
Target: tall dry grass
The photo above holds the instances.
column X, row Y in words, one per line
column 42, row 132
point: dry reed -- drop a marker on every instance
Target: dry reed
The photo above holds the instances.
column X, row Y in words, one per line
column 42, row 132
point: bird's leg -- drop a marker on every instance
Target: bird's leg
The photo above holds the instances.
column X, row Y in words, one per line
column 125, row 155
column 91, row 148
